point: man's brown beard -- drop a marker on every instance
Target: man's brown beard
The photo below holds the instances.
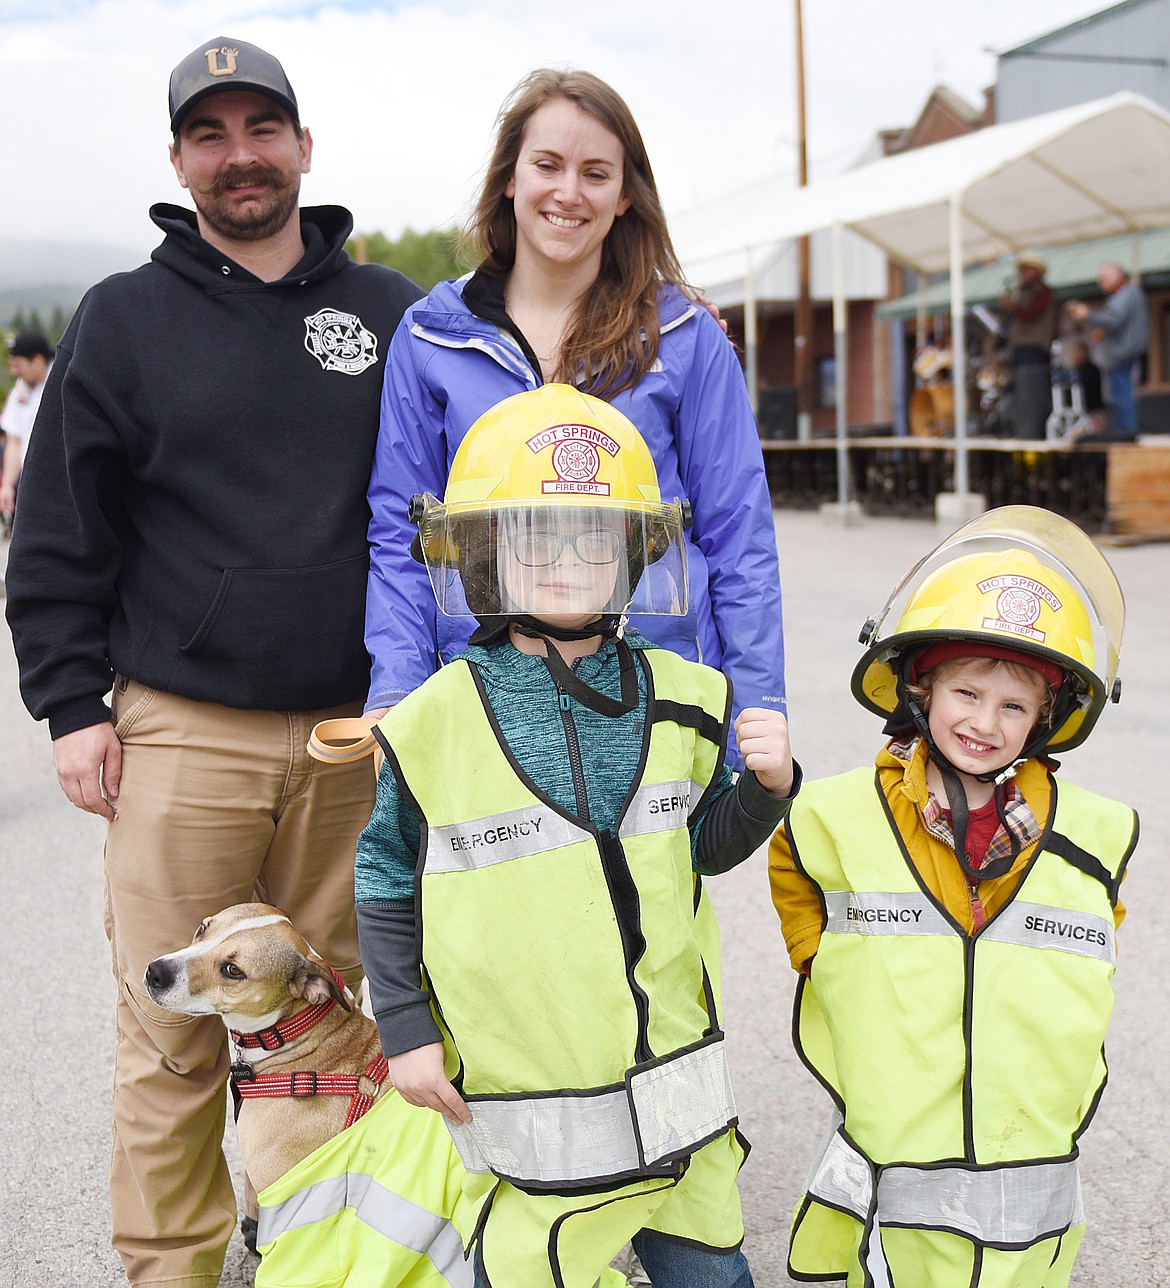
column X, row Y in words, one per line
column 255, row 222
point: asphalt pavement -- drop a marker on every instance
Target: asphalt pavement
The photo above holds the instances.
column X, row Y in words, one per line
column 59, row 992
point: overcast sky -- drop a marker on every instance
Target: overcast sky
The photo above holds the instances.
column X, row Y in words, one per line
column 401, row 97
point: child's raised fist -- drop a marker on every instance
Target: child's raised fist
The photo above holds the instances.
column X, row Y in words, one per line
column 763, row 741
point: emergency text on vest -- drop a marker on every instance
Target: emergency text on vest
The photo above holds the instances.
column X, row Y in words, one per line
column 494, row 835
column 854, row 913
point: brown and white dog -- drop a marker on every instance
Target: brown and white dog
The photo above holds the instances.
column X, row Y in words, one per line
column 248, row 965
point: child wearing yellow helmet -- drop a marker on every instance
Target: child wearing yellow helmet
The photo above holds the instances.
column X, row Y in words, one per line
column 543, row 961
column 952, row 916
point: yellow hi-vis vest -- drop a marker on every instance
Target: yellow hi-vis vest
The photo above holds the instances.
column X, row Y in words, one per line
column 964, row 1069
column 380, row 1205
column 574, row 971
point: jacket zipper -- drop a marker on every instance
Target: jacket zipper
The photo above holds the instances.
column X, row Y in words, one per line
column 622, row 890
column 969, row 1050
column 565, row 703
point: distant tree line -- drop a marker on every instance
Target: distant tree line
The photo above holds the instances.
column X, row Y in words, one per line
column 426, row 258
column 31, row 320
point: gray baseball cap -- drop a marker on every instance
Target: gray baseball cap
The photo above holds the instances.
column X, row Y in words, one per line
column 221, row 64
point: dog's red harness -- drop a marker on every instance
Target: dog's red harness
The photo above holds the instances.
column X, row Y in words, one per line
column 304, row 1082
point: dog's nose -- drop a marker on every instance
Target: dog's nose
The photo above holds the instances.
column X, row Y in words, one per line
column 160, row 975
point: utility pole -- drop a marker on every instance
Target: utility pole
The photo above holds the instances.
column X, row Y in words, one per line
column 803, row 317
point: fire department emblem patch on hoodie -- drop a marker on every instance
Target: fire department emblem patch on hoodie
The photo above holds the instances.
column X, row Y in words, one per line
column 340, row 342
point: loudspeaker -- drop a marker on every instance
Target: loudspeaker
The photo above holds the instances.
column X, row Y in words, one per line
column 777, row 414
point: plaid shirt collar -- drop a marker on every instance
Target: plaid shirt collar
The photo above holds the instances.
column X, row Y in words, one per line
column 1021, row 822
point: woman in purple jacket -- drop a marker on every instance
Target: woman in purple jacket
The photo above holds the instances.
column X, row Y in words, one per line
column 577, row 282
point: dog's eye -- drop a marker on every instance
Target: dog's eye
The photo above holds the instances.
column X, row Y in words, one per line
column 229, row 970
column 202, row 930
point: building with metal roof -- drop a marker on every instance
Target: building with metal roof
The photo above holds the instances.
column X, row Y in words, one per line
column 1124, row 47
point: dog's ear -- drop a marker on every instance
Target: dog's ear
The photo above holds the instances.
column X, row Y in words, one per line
column 314, row 981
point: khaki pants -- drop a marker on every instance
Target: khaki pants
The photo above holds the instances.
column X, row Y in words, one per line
column 217, row 806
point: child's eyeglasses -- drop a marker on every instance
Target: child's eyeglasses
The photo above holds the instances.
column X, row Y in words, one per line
column 593, row 546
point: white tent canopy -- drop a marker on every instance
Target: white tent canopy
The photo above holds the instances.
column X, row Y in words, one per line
column 1082, row 172
column 774, row 271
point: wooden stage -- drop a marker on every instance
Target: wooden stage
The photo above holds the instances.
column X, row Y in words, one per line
column 1121, row 490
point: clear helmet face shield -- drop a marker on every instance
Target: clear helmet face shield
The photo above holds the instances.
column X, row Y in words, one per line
column 548, row 560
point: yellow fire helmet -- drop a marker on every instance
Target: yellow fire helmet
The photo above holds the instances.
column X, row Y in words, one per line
column 1017, row 578
column 552, row 507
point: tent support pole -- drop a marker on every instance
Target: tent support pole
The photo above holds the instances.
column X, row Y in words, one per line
column 959, row 343
column 920, row 313
column 840, row 357
column 751, row 336
column 953, row 508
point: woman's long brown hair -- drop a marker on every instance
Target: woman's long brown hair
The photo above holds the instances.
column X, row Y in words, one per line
column 612, row 340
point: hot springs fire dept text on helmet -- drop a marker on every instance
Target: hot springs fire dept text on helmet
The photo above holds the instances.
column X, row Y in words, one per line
column 1019, row 578
column 553, row 478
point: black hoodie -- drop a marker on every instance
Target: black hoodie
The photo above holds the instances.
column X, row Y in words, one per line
column 193, row 505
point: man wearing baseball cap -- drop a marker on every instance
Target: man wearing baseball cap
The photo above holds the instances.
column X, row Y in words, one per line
column 30, row 358
column 193, row 537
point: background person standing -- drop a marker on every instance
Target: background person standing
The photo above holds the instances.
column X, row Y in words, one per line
column 30, row 358
column 1124, row 320
column 1031, row 319
column 194, row 533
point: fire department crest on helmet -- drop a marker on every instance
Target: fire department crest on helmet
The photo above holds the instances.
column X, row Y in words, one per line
column 576, row 462
column 340, row 342
column 1018, row 605
column 576, row 457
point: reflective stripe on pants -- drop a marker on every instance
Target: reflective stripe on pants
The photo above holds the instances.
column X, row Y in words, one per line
column 665, row 1110
column 392, row 1216
column 1010, row 1205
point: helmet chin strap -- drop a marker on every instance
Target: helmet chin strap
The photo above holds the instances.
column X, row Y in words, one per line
column 609, row 627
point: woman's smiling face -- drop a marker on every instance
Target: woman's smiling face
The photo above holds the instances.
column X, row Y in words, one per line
column 567, row 188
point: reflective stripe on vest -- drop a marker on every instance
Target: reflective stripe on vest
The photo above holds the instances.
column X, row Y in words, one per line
column 1033, row 925
column 603, row 945
column 379, row 1208
column 853, row 912
column 1012, row 1206
column 665, row 1111
column 517, row 834
column 521, row 833
column 660, row 807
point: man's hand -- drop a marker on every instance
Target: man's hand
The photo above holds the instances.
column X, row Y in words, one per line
column 418, row 1075
column 713, row 309
column 762, row 736
column 373, row 715
column 89, row 768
